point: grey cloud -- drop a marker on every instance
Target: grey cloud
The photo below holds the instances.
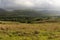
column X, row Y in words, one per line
column 35, row 4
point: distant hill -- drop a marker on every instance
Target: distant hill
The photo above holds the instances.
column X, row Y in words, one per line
column 31, row 13
column 28, row 16
column 1, row 10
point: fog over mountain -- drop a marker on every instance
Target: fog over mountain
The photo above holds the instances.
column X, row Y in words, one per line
column 49, row 6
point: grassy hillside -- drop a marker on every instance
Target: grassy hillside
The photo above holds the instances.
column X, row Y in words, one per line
column 23, row 31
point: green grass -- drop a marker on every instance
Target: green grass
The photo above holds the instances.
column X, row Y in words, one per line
column 22, row 31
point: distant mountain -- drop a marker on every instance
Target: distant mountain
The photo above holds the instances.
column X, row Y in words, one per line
column 52, row 12
column 15, row 13
column 1, row 10
column 29, row 13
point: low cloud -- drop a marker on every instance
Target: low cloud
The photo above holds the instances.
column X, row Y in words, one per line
column 36, row 4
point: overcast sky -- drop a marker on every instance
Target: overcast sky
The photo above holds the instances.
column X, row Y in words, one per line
column 37, row 4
